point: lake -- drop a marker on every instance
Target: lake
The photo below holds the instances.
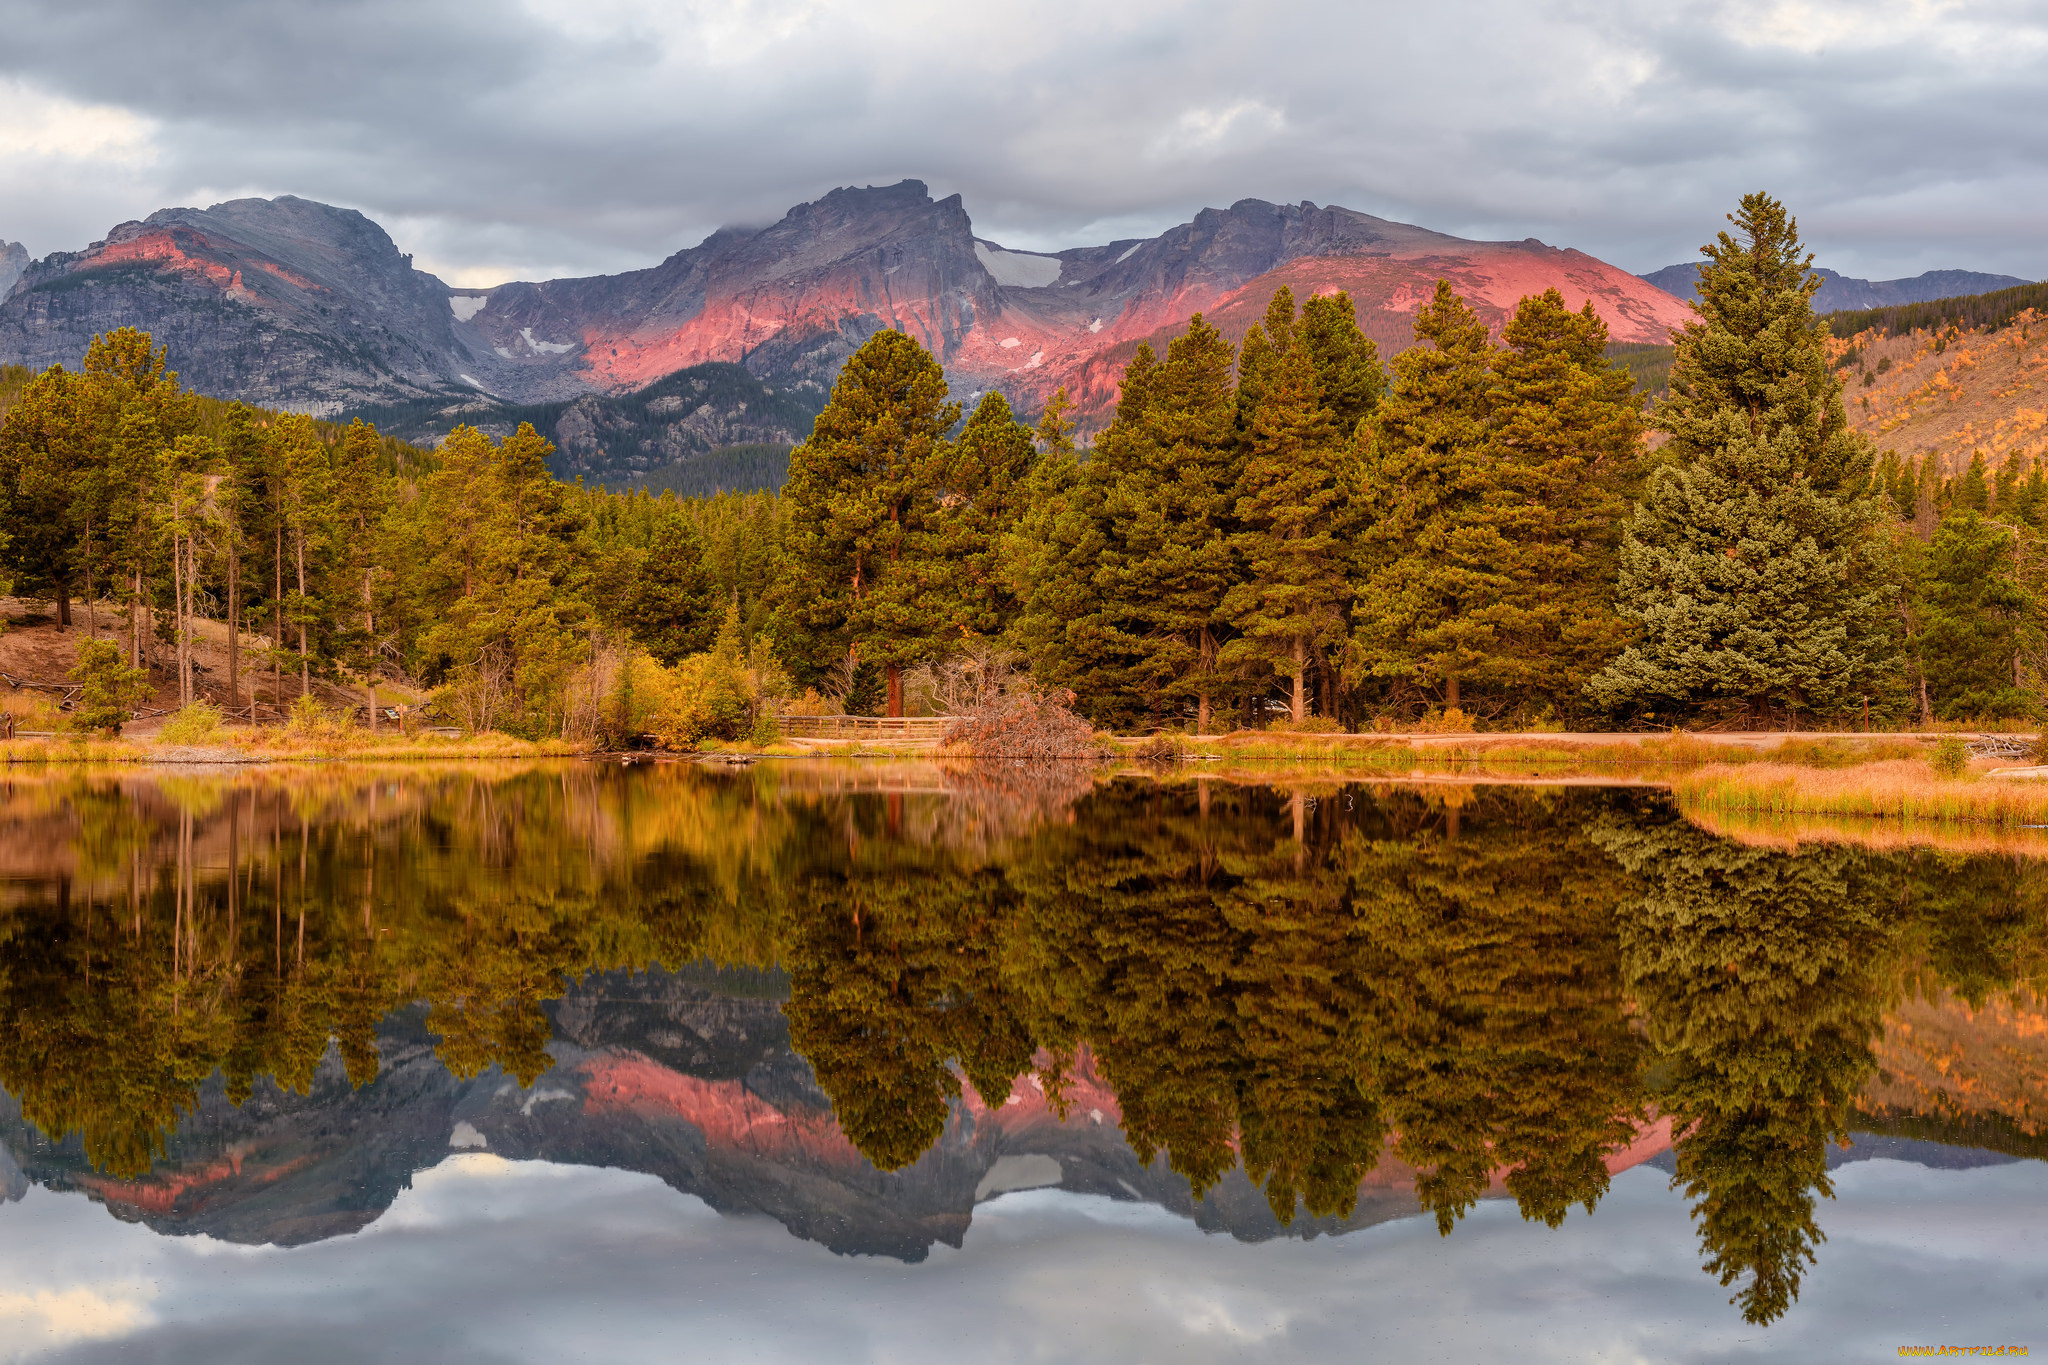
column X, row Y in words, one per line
column 576, row 1061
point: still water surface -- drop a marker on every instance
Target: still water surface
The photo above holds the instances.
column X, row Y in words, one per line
column 546, row 1062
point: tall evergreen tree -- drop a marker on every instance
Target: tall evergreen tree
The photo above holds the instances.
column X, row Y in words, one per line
column 1433, row 553
column 305, row 487
column 360, row 495
column 46, row 458
column 1349, row 378
column 1126, row 612
column 1069, row 629
column 1975, row 622
column 668, row 608
column 982, row 487
column 1755, row 564
column 1566, row 438
column 860, row 489
column 1293, row 494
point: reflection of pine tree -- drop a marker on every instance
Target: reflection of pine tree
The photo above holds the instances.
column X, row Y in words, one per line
column 1755, row 970
column 1131, row 956
column 124, row 988
column 1307, row 1131
column 1495, row 1032
column 894, row 959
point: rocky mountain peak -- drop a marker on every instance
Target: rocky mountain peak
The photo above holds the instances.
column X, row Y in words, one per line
column 13, row 265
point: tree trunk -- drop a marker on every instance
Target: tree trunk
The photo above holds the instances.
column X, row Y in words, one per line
column 1208, row 656
column 91, row 625
column 369, row 669
column 234, row 625
column 277, row 641
column 178, row 613
column 895, row 691
column 1926, row 710
column 1451, row 693
column 63, row 603
column 1300, row 680
column 305, row 658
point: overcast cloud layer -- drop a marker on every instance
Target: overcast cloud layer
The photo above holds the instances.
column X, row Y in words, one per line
column 487, row 1262
column 499, row 139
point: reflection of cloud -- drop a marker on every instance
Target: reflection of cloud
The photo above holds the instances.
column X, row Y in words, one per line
column 50, row 1318
column 489, row 1260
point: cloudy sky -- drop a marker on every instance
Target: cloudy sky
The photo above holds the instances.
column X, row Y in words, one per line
column 532, row 138
column 489, row 1262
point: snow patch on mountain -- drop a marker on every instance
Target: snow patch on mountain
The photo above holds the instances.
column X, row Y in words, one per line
column 1018, row 269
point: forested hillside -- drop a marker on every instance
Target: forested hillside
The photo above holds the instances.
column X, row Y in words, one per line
column 1285, row 531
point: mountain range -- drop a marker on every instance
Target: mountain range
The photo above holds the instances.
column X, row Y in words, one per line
column 734, row 342
column 297, row 304
column 1841, row 293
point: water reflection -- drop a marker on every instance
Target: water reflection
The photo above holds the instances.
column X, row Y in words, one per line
column 255, row 1005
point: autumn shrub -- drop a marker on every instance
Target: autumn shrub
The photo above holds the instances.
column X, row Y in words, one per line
column 723, row 695
column 1951, row 756
column 195, row 723
column 309, row 720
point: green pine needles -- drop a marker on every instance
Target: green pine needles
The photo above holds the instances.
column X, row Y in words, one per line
column 1756, row 566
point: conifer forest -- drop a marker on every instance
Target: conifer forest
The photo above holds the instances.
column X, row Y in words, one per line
column 1493, row 531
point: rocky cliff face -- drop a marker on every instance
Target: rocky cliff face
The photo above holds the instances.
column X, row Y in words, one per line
column 283, row 302
column 14, row 263
column 296, row 304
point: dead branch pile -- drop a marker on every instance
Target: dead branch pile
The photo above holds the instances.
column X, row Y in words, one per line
column 2000, row 746
column 1024, row 726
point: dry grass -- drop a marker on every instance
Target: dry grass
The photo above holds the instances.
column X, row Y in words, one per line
column 1767, row 830
column 265, row 745
column 1561, row 755
column 1898, row 789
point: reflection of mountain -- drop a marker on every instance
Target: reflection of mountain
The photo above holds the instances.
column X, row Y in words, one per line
column 688, row 1077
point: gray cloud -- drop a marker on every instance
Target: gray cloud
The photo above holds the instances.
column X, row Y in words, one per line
column 505, row 139
column 487, row 1261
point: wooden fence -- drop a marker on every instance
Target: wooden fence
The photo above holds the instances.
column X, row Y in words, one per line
column 931, row 728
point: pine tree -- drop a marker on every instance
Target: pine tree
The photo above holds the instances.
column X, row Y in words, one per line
column 1969, row 492
column 859, row 489
column 1349, row 378
column 360, row 495
column 305, row 486
column 1755, row 564
column 1566, row 437
column 1125, row 612
column 983, row 484
column 668, row 609
column 46, row 457
column 1068, row 628
column 1433, row 554
column 1291, row 498
column 1975, row 622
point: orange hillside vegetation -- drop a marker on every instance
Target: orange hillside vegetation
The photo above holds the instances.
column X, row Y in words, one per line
column 1951, row 393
